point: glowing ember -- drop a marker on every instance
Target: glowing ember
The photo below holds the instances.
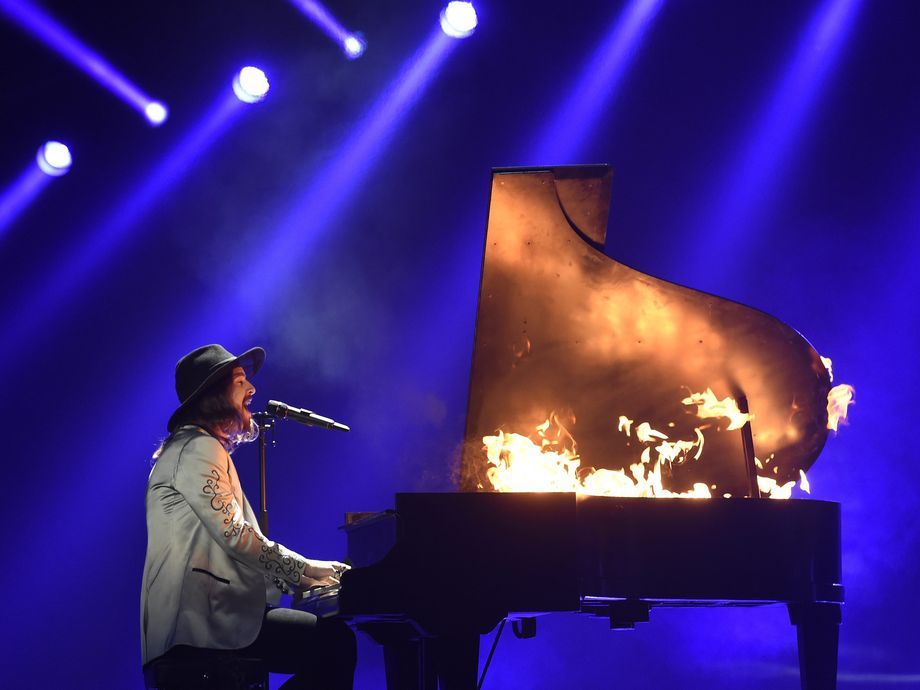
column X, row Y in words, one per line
column 838, row 400
column 708, row 405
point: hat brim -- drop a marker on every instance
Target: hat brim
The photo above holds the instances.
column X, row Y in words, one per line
column 251, row 360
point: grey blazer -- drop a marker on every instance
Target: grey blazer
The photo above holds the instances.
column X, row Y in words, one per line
column 209, row 571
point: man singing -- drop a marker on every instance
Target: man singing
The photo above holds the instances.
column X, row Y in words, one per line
column 210, row 574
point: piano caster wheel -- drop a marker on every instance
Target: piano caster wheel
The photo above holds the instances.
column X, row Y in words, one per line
column 524, row 628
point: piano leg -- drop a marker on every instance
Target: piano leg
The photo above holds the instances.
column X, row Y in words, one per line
column 458, row 661
column 421, row 664
column 410, row 665
column 818, row 629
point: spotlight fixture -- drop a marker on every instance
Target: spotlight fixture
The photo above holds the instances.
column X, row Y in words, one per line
column 458, row 19
column 54, row 158
column 156, row 113
column 354, row 46
column 250, row 85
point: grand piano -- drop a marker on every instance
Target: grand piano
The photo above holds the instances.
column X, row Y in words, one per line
column 566, row 333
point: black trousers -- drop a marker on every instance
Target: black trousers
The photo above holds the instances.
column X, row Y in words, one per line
column 320, row 652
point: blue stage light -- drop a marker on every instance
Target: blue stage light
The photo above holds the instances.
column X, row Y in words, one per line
column 458, row 19
column 49, row 291
column 250, row 85
column 354, row 46
column 156, row 113
column 56, row 36
column 311, row 213
column 54, row 158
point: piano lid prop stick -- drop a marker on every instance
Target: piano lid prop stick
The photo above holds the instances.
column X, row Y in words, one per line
column 747, row 443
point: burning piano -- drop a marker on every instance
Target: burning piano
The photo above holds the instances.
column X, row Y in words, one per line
column 629, row 431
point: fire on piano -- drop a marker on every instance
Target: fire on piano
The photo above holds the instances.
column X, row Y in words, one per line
column 572, row 345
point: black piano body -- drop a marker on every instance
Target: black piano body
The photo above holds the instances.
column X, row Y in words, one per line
column 561, row 326
column 443, row 568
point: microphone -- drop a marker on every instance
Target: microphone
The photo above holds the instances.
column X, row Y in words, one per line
column 305, row 417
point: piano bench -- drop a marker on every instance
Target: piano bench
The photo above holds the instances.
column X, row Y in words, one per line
column 210, row 671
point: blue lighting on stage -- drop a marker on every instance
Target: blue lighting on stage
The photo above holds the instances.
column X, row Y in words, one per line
column 750, row 180
column 15, row 198
column 77, row 265
column 458, row 19
column 306, row 219
column 353, row 45
column 59, row 39
column 250, row 85
column 349, row 242
column 561, row 139
column 156, row 112
column 54, row 158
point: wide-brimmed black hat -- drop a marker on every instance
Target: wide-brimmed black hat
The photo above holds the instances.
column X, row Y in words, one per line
column 202, row 367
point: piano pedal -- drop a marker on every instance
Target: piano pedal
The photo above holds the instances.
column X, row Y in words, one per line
column 625, row 614
column 524, row 628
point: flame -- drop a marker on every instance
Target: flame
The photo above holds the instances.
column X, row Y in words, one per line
column 829, row 365
column 646, row 434
column 708, row 405
column 839, row 398
column 551, row 462
column 803, row 482
column 518, row 463
column 771, row 488
column 533, row 468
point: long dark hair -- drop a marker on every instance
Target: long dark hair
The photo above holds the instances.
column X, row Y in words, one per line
column 211, row 410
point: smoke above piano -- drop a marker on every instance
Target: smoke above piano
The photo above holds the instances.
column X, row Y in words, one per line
column 660, row 384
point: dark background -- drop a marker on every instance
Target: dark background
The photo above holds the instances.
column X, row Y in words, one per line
column 369, row 317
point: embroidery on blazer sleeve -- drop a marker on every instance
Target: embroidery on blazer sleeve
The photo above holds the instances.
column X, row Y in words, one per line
column 278, row 564
column 222, row 501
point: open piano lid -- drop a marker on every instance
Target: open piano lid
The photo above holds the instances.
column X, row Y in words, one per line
column 563, row 328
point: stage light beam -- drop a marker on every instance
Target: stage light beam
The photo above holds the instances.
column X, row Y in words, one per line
column 50, row 290
column 565, row 134
column 752, row 178
column 250, row 85
column 353, row 44
column 300, row 224
column 54, row 35
column 15, row 198
column 458, row 19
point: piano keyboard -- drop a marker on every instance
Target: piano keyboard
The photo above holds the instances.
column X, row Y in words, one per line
column 321, row 601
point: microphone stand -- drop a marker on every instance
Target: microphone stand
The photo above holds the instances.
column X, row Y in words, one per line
column 266, row 423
